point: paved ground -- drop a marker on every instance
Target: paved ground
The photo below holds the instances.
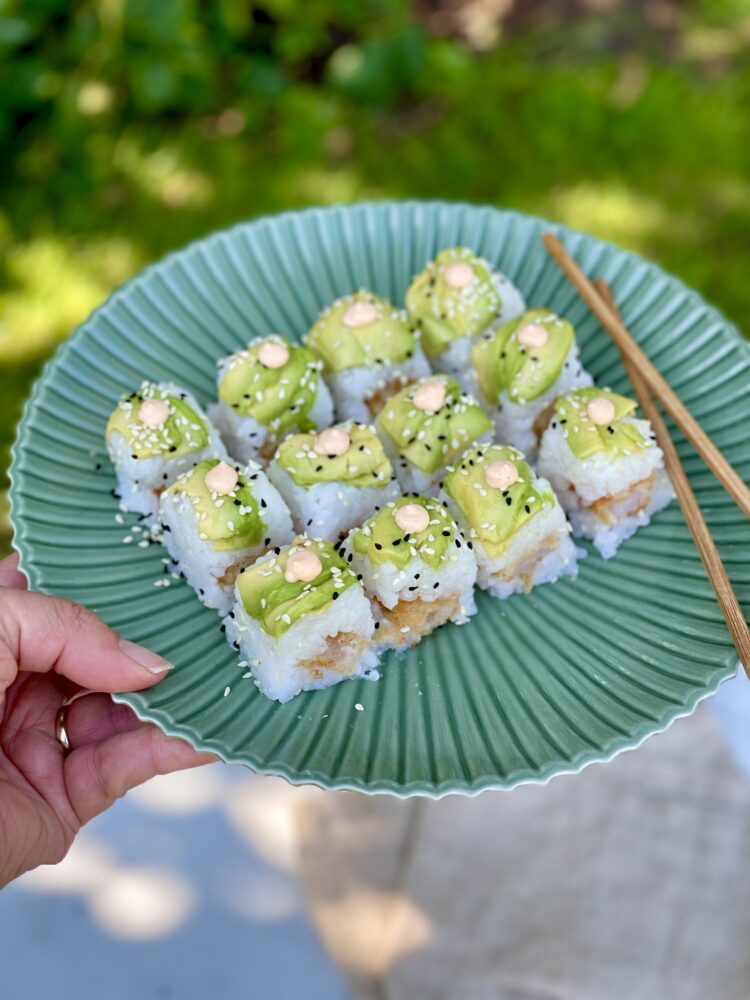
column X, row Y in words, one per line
column 189, row 889
column 185, row 889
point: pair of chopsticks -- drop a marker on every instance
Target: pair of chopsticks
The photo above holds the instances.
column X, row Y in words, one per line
column 647, row 384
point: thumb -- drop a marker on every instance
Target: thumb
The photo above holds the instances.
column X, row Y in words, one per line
column 40, row 633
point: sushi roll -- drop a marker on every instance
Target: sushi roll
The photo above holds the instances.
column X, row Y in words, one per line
column 427, row 425
column 218, row 518
column 416, row 567
column 152, row 436
column 520, row 535
column 368, row 350
column 456, row 297
column 269, row 390
column 333, row 480
column 301, row 620
column 519, row 370
column 605, row 466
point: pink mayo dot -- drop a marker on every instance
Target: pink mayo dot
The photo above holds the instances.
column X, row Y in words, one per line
column 532, row 335
column 459, row 275
column 273, row 355
column 332, row 441
column 501, row 475
column 601, row 411
column 412, row 517
column 361, row 314
column 153, row 412
column 303, row 565
column 429, row 397
column 222, row 478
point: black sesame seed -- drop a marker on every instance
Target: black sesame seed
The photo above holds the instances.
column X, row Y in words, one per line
column 396, row 541
column 335, row 595
column 377, row 624
column 378, row 546
column 222, row 627
column 98, row 466
column 527, row 508
column 446, row 532
column 435, row 586
column 509, row 500
column 201, row 591
column 469, row 545
column 263, row 502
column 135, row 457
column 413, row 588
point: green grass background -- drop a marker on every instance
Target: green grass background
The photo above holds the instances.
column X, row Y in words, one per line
column 129, row 127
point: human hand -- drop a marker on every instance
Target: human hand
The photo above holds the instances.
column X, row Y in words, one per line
column 50, row 649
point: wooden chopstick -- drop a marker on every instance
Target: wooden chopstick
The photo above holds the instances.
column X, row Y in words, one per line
column 612, row 323
column 717, row 574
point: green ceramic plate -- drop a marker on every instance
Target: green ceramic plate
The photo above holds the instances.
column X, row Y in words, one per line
column 589, row 668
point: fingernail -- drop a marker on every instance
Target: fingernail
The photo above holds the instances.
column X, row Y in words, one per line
column 152, row 662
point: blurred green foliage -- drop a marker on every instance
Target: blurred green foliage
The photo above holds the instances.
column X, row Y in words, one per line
column 129, row 127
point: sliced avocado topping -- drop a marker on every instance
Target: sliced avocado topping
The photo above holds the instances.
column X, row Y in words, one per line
column 229, row 521
column 585, row 438
column 183, row 431
column 381, row 539
column 278, row 398
column 364, row 464
column 385, row 338
column 431, row 440
column 503, row 363
column 276, row 603
column 444, row 313
column 494, row 515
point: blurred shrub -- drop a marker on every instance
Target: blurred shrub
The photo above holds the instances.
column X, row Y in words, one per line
column 129, row 127
column 70, row 69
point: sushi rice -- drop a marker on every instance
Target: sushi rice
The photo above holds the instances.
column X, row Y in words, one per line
column 141, row 480
column 431, row 583
column 606, row 496
column 330, row 644
column 209, row 570
column 514, row 554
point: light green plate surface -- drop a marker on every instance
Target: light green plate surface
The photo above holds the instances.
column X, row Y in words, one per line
column 533, row 686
